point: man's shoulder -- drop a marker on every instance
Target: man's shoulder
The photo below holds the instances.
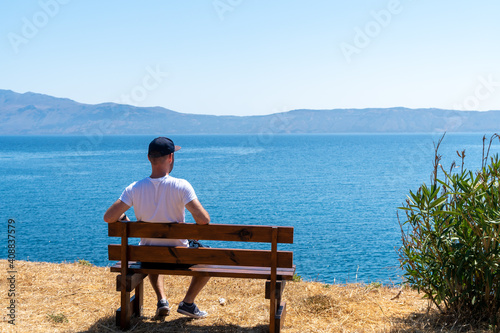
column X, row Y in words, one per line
column 139, row 182
column 178, row 181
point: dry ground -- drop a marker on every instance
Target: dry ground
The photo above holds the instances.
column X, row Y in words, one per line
column 75, row 297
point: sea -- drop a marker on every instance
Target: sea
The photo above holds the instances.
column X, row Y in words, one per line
column 340, row 192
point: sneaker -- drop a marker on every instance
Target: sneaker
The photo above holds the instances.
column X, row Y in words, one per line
column 162, row 308
column 191, row 311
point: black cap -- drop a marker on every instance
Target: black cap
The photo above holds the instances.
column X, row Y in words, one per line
column 162, row 146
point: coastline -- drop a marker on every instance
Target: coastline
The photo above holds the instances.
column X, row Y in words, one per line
column 79, row 297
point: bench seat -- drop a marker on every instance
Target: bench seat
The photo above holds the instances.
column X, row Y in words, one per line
column 208, row 270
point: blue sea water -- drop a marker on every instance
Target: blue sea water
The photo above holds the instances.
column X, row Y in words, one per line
column 339, row 192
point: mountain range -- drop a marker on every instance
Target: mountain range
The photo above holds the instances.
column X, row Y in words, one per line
column 38, row 114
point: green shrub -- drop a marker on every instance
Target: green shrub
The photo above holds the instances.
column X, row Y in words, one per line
column 57, row 318
column 84, row 262
column 450, row 239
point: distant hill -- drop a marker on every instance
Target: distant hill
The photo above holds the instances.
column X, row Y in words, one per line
column 36, row 114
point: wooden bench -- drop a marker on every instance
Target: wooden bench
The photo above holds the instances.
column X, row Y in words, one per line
column 137, row 261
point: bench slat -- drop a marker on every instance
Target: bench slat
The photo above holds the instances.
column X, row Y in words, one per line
column 209, row 256
column 220, row 232
column 211, row 270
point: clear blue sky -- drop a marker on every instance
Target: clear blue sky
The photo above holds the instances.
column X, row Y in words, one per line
column 242, row 57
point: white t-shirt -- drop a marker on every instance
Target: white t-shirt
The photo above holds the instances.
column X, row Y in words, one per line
column 159, row 200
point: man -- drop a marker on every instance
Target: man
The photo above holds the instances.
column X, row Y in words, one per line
column 162, row 198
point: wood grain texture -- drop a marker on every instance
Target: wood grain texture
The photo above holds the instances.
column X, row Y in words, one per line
column 220, row 232
column 208, row 256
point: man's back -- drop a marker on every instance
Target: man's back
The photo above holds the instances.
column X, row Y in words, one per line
column 159, row 200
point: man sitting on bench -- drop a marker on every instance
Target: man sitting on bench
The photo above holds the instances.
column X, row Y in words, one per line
column 162, row 198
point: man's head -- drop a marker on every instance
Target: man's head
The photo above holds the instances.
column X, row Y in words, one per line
column 162, row 146
column 160, row 150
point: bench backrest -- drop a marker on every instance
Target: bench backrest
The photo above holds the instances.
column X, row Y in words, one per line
column 211, row 256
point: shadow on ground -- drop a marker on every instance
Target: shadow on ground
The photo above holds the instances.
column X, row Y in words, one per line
column 433, row 321
column 143, row 324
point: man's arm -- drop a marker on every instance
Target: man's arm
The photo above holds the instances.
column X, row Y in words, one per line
column 116, row 212
column 199, row 213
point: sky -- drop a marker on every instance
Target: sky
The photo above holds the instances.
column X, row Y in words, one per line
column 242, row 57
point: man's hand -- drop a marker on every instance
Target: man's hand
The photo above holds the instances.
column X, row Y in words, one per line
column 116, row 212
column 199, row 213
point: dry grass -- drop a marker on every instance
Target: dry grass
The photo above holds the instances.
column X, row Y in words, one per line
column 80, row 298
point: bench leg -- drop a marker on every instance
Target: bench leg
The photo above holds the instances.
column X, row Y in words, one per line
column 138, row 299
column 123, row 314
column 130, row 306
column 277, row 310
column 279, row 318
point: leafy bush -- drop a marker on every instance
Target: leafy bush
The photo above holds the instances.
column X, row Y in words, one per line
column 450, row 238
